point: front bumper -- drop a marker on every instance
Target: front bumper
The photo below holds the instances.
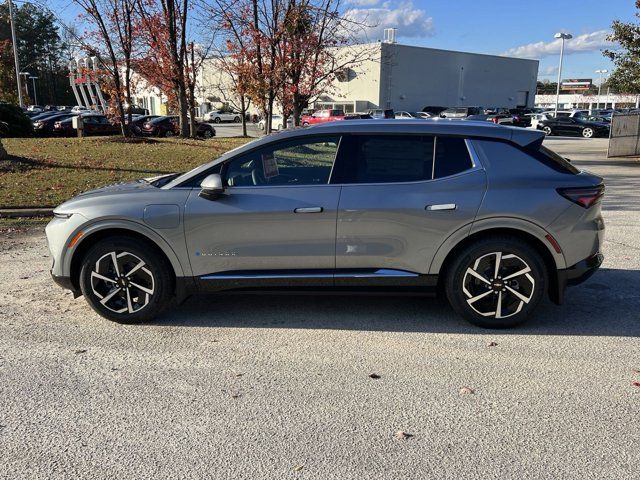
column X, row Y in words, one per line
column 575, row 275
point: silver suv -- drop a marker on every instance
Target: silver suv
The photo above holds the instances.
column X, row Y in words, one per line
column 481, row 213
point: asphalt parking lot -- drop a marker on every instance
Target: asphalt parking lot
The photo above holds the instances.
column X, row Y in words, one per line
column 280, row 387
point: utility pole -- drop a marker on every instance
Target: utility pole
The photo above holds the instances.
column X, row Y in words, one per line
column 15, row 52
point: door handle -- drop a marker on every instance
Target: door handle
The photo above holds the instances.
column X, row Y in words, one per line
column 441, row 206
column 308, row 210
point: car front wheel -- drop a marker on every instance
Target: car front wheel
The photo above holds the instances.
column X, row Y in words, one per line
column 236, row 119
column 547, row 130
column 496, row 282
column 125, row 281
column 587, row 132
column 216, row 120
column 208, row 133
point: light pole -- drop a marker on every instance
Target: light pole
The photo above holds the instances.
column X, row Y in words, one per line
column 35, row 94
column 600, row 85
column 562, row 36
column 15, row 52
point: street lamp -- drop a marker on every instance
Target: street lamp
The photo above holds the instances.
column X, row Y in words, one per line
column 600, row 85
column 563, row 37
column 35, row 94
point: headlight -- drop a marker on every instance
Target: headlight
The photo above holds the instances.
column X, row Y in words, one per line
column 62, row 215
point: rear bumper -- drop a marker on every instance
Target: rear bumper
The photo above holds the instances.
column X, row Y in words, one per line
column 575, row 275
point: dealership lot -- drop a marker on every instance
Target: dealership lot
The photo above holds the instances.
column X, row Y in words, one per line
column 248, row 387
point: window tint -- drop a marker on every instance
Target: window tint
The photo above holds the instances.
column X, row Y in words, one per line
column 385, row 159
column 452, row 156
column 302, row 162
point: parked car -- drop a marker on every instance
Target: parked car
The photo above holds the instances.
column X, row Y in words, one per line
column 138, row 121
column 574, row 126
column 434, row 110
column 461, row 112
column 379, row 113
column 43, row 124
column 93, row 123
column 497, row 118
column 35, row 108
column 276, row 123
column 402, row 115
column 217, row 116
column 423, row 115
column 169, row 126
column 15, row 122
column 322, row 116
column 401, row 206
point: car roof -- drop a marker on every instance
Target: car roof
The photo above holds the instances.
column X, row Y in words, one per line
column 466, row 128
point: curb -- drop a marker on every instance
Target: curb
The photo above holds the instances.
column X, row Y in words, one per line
column 25, row 212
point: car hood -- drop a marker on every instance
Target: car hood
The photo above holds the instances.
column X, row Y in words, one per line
column 82, row 199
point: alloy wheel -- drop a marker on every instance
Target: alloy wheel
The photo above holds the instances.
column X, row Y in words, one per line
column 498, row 284
column 547, row 130
column 587, row 133
column 122, row 282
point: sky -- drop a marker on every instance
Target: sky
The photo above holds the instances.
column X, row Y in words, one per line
column 521, row 28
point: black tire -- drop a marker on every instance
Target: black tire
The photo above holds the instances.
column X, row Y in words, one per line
column 236, row 120
column 216, row 120
column 547, row 130
column 462, row 286
column 208, row 133
column 126, row 293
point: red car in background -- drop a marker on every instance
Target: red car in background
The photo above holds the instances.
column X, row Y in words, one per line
column 322, row 116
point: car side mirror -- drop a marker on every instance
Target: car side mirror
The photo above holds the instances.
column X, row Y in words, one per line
column 211, row 187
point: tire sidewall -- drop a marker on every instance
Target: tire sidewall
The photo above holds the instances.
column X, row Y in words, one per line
column 456, row 272
column 159, row 268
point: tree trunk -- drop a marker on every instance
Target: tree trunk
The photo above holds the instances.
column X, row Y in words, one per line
column 243, row 110
column 182, row 111
column 3, row 153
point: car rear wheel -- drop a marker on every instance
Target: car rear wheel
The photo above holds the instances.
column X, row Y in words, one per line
column 208, row 133
column 216, row 120
column 547, row 130
column 236, row 119
column 587, row 132
column 169, row 133
column 125, row 281
column 496, row 282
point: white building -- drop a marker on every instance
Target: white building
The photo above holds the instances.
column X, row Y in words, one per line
column 569, row 101
column 404, row 77
column 400, row 77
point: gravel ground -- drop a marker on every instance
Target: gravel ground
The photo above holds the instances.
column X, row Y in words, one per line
column 280, row 387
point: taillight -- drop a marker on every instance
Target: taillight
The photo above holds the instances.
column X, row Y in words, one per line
column 583, row 196
column 494, row 120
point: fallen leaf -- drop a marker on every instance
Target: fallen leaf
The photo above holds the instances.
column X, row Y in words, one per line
column 636, row 371
column 80, row 351
column 492, row 344
column 297, row 468
column 467, row 391
column 375, row 376
column 400, row 435
column 636, row 384
column 236, row 395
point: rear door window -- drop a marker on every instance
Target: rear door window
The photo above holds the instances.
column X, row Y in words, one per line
column 385, row 159
column 452, row 157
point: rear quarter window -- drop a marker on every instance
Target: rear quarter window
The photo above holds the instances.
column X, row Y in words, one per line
column 505, row 157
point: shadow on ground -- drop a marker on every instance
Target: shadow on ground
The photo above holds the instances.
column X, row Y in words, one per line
column 606, row 305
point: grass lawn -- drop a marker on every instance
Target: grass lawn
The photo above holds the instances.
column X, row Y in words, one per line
column 44, row 172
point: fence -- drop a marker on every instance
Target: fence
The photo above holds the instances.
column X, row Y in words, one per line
column 624, row 139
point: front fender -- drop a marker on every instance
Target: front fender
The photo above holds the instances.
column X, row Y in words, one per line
column 120, row 224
